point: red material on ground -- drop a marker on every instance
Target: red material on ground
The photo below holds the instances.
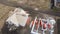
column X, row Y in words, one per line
column 44, row 26
column 49, row 26
column 40, row 23
column 28, row 21
column 32, row 23
column 37, row 24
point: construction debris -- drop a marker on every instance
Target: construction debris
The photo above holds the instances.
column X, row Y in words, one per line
column 17, row 18
column 40, row 26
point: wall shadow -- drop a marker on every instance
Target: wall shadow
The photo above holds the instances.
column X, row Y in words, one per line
column 5, row 30
column 58, row 26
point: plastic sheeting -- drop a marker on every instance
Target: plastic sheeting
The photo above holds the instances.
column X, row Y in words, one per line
column 19, row 17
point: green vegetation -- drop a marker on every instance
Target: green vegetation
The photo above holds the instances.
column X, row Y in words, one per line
column 55, row 9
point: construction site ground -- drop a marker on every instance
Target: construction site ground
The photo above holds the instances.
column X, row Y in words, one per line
column 6, row 7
